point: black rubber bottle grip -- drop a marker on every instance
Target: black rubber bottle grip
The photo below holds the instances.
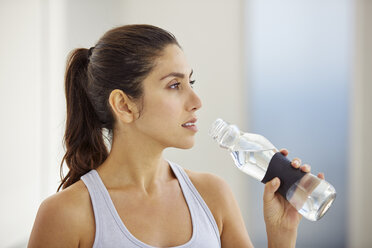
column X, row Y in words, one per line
column 281, row 167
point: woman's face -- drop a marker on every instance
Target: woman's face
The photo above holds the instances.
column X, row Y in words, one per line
column 169, row 102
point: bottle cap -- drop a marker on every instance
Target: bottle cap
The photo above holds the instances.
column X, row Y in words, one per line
column 217, row 126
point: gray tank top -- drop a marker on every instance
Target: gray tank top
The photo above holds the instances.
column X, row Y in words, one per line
column 111, row 231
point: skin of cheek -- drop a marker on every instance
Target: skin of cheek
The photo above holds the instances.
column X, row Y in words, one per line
column 161, row 120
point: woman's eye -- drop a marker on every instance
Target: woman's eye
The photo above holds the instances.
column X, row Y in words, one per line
column 175, row 85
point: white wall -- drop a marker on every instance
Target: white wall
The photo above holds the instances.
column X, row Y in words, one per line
column 360, row 169
column 20, row 109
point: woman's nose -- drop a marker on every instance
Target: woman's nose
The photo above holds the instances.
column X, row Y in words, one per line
column 194, row 102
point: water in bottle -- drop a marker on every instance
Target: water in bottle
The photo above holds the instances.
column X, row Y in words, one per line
column 256, row 156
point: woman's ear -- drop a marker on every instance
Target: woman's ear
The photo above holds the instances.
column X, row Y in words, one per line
column 123, row 107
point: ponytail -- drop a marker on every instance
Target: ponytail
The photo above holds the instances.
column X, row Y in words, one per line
column 83, row 139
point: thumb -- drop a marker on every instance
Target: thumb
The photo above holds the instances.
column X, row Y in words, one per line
column 270, row 188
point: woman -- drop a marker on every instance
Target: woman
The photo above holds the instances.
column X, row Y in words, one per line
column 136, row 83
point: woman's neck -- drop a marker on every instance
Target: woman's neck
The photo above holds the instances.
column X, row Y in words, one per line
column 132, row 162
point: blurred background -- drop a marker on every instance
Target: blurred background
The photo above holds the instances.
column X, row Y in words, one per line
column 297, row 72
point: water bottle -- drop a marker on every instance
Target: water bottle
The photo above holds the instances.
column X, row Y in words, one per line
column 256, row 156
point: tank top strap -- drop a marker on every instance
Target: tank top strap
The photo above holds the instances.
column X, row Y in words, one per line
column 200, row 207
column 110, row 231
column 96, row 198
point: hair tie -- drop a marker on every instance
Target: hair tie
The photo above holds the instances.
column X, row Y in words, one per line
column 90, row 51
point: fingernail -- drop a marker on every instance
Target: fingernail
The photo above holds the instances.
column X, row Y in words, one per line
column 296, row 162
column 274, row 182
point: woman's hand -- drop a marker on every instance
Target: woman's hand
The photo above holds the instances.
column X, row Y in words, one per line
column 281, row 217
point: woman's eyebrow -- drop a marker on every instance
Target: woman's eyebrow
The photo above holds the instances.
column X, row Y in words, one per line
column 176, row 74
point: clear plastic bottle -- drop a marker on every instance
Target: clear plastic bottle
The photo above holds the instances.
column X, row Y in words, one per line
column 256, row 156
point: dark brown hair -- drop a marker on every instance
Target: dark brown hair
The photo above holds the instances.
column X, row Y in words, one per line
column 121, row 59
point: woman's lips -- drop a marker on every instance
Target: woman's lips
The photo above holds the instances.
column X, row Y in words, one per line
column 191, row 125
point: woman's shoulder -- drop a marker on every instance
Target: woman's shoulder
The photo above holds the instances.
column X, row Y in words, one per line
column 214, row 190
column 71, row 204
column 63, row 216
column 210, row 185
column 207, row 182
column 69, row 200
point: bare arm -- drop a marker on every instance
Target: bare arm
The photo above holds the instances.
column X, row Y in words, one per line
column 281, row 218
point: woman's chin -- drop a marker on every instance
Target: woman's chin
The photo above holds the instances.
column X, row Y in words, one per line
column 186, row 145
